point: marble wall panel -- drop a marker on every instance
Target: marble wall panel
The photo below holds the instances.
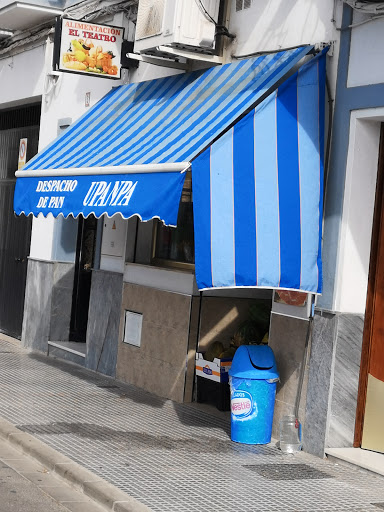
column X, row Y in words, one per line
column 37, row 305
column 287, row 340
column 159, row 364
column 104, row 321
column 192, row 346
column 61, row 303
column 320, row 378
column 345, row 381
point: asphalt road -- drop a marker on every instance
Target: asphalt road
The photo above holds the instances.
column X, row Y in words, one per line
column 17, row 494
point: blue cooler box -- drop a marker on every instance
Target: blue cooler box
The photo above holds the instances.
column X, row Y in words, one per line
column 253, row 377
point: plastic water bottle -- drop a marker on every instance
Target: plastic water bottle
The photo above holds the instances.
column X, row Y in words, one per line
column 290, row 434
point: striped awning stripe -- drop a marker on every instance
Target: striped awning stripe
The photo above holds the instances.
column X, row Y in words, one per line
column 166, row 120
column 258, row 192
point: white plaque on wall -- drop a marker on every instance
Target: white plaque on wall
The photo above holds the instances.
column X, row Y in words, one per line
column 132, row 328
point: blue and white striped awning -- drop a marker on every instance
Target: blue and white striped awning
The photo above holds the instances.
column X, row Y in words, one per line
column 258, row 192
column 159, row 122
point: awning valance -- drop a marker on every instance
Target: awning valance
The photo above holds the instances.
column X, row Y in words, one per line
column 165, row 121
column 258, row 192
column 127, row 190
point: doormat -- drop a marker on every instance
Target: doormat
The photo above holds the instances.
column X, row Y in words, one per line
column 288, row 471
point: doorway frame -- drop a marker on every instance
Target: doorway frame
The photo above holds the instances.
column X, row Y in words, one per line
column 377, row 227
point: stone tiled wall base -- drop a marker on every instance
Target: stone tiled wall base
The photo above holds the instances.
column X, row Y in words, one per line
column 287, row 340
column 192, row 344
column 319, row 382
column 61, row 302
column 159, row 364
column 48, row 301
column 333, row 382
column 103, row 322
column 345, row 381
column 67, row 356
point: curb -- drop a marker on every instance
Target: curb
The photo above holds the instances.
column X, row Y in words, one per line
column 93, row 486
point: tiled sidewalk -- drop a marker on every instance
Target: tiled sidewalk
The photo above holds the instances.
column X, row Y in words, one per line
column 171, row 457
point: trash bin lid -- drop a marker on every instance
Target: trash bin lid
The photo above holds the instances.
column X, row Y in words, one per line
column 254, row 362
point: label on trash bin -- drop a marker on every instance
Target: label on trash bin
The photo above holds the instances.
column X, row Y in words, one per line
column 207, row 370
column 241, row 404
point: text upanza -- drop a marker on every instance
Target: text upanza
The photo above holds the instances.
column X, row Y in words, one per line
column 104, row 193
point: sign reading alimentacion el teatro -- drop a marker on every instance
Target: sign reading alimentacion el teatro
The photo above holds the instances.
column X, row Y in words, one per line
column 90, row 49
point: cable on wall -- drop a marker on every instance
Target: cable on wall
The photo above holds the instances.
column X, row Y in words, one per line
column 221, row 30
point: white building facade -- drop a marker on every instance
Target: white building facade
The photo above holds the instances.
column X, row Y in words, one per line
column 85, row 274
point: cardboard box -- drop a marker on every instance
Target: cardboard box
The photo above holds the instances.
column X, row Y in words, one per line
column 216, row 370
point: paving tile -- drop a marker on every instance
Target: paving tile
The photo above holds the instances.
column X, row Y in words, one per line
column 168, row 456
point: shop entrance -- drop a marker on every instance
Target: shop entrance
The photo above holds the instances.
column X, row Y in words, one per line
column 370, row 408
column 15, row 232
column 85, row 254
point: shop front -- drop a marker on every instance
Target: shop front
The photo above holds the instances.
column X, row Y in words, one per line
column 240, row 145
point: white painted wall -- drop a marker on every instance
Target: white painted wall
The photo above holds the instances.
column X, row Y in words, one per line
column 22, row 77
column 67, row 99
column 270, row 25
column 366, row 54
column 273, row 25
column 42, row 238
column 358, row 206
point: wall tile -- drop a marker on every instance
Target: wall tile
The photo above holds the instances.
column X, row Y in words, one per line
column 319, row 382
column 61, row 304
column 104, row 321
column 37, row 305
column 287, row 340
column 346, row 381
column 159, row 365
column 192, row 346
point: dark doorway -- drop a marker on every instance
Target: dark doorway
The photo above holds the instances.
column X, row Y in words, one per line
column 15, row 232
column 85, row 254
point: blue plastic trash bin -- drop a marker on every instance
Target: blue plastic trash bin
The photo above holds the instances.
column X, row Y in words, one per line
column 252, row 377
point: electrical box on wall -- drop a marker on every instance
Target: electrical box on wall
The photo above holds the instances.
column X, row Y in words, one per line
column 113, row 243
column 176, row 23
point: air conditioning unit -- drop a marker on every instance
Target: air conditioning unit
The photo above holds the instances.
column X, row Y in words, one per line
column 184, row 24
